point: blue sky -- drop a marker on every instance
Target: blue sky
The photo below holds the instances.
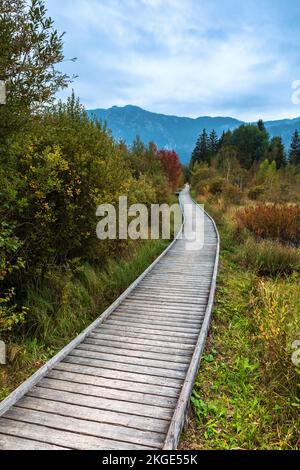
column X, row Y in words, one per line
column 185, row 57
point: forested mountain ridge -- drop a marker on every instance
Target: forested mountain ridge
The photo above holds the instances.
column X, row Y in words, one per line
column 174, row 132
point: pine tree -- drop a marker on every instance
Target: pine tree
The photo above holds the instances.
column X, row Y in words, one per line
column 261, row 125
column 213, row 143
column 294, row 153
column 225, row 139
column 201, row 150
column 276, row 152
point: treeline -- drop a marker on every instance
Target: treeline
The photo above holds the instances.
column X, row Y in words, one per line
column 246, row 162
column 57, row 166
column 249, row 144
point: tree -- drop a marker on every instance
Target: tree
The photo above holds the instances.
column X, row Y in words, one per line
column 225, row 139
column 294, row 153
column 213, row 143
column 171, row 166
column 200, row 176
column 201, row 150
column 276, row 152
column 251, row 144
column 261, row 125
column 228, row 165
column 31, row 48
column 268, row 177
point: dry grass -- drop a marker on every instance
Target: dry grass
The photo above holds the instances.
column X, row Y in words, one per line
column 274, row 221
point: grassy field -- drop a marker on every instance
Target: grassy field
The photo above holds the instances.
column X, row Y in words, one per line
column 67, row 302
column 246, row 395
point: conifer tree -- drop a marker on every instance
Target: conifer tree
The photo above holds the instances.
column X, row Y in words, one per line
column 276, row 152
column 294, row 153
column 213, row 143
column 201, row 150
column 261, row 125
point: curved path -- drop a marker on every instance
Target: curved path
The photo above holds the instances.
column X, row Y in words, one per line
column 125, row 382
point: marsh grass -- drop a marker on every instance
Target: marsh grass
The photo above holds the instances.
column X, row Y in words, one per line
column 268, row 257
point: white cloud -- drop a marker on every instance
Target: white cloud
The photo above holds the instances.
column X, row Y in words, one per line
column 186, row 56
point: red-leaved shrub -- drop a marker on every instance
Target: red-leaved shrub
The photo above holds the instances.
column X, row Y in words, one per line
column 274, row 221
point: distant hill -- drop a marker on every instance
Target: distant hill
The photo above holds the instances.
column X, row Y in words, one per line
column 173, row 132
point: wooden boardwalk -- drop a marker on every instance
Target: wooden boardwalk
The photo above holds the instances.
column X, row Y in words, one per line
column 125, row 382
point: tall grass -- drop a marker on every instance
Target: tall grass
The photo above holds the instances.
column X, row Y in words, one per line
column 268, row 257
column 274, row 221
column 70, row 299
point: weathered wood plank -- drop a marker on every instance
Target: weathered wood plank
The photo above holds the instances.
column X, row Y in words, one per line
column 63, row 384
column 141, row 340
column 93, row 368
column 93, row 414
column 84, row 378
column 122, row 351
column 63, row 438
column 147, row 333
column 86, row 427
column 18, row 443
column 114, row 358
column 120, row 366
column 149, row 411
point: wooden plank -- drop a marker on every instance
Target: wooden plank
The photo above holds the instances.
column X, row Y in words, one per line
column 129, row 360
column 18, row 443
column 156, row 318
column 161, row 315
column 164, row 306
column 147, row 333
column 140, row 340
column 63, row 438
column 98, row 391
column 161, row 349
column 93, row 414
column 94, row 369
column 149, row 411
column 136, row 353
column 169, row 328
column 86, row 427
column 162, row 309
column 83, row 378
column 168, row 300
column 119, row 366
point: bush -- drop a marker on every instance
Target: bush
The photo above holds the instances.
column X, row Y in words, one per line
column 256, row 192
column 233, row 194
column 269, row 257
column 274, row 221
column 217, row 185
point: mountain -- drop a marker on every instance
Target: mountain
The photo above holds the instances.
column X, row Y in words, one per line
column 173, row 132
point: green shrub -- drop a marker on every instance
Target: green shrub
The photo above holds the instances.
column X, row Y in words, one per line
column 268, row 257
column 256, row 192
column 233, row 194
column 217, row 185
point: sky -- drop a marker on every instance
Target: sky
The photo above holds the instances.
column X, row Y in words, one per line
column 192, row 58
